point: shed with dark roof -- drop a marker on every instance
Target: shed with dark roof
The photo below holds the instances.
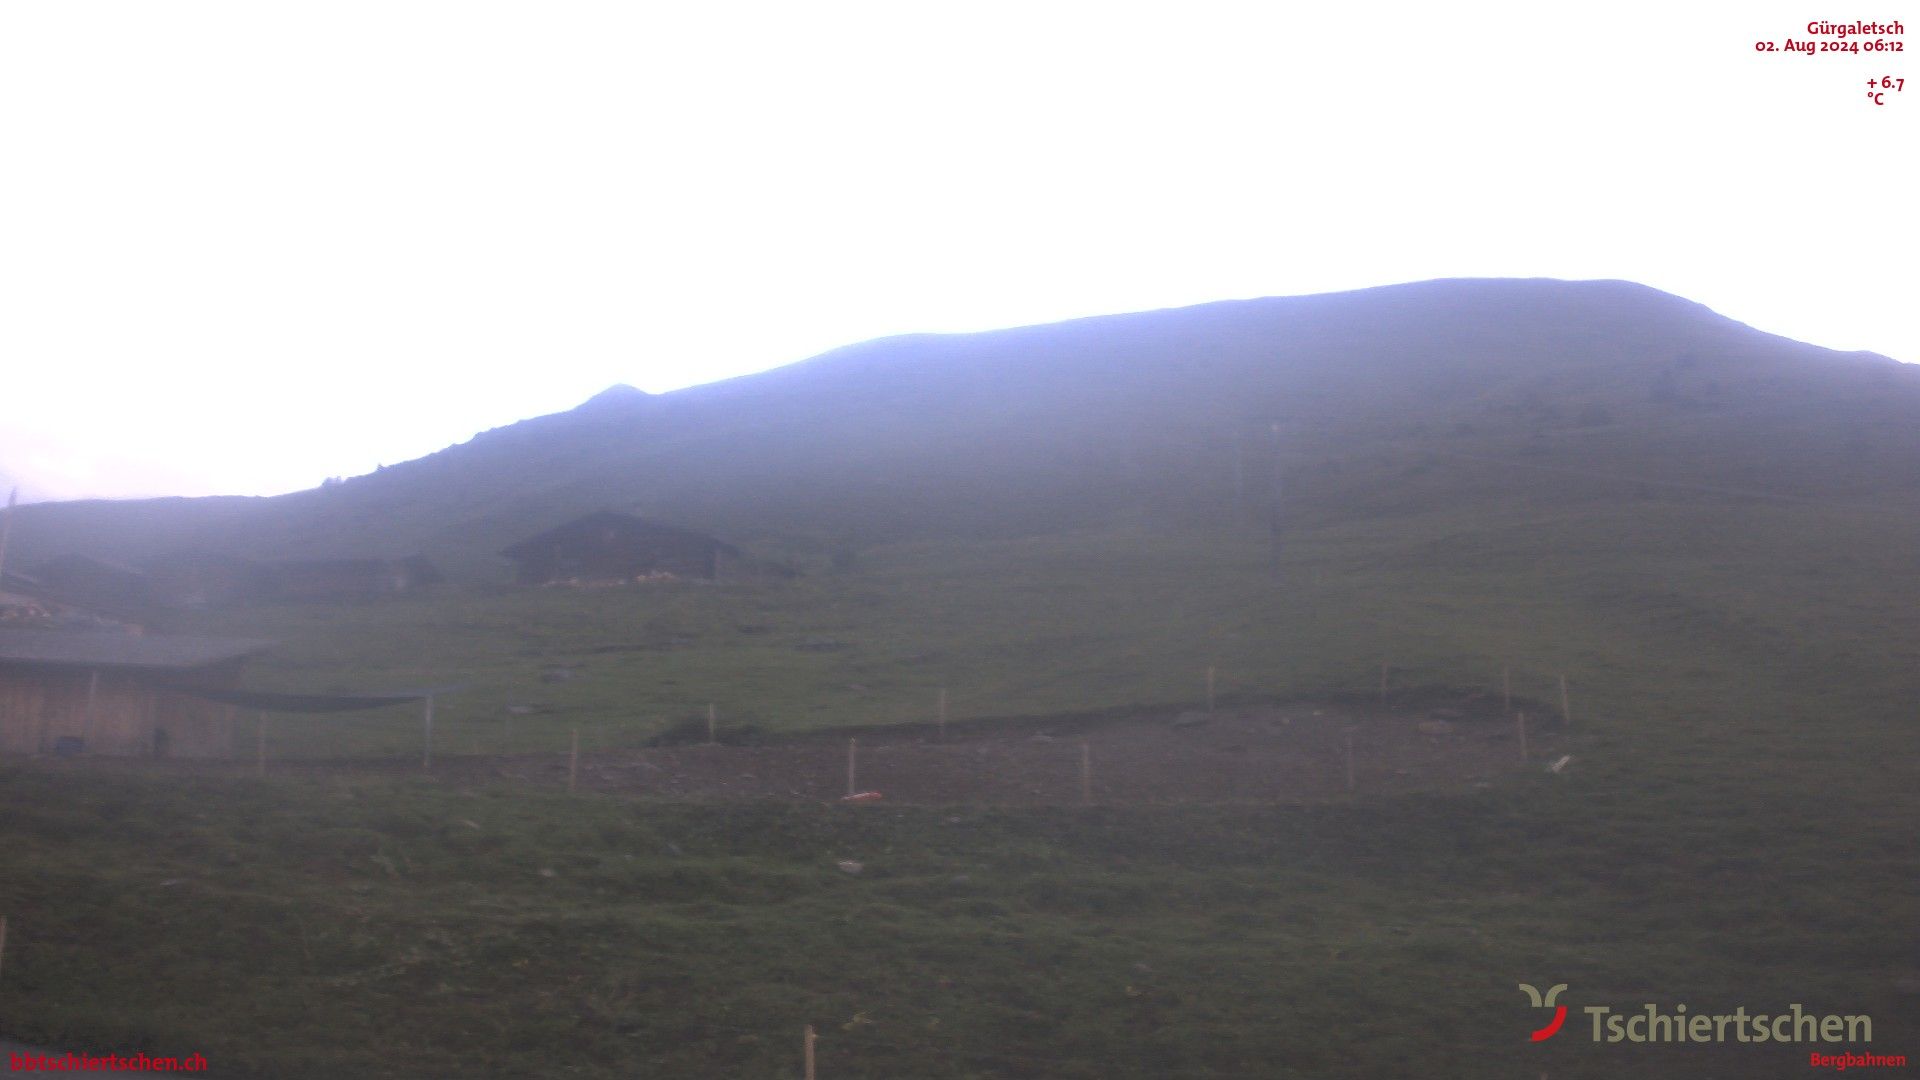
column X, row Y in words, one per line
column 118, row 694
column 92, row 585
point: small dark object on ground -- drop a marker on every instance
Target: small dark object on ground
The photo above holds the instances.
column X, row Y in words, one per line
column 823, row 645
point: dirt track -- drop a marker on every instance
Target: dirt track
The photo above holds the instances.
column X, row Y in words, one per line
column 1295, row 752
column 1285, row 753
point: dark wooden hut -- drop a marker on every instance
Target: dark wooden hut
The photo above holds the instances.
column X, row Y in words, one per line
column 21, row 609
column 607, row 546
column 192, row 580
column 117, row 694
column 90, row 584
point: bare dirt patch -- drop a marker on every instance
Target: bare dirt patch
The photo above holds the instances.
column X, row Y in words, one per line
column 1294, row 752
column 1268, row 753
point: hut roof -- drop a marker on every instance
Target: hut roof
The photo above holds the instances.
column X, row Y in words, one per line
column 268, row 701
column 15, row 603
column 583, row 527
column 57, row 648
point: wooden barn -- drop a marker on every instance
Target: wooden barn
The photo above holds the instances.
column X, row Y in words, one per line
column 30, row 608
column 23, row 610
column 90, row 584
column 194, row 580
column 118, row 694
column 607, row 547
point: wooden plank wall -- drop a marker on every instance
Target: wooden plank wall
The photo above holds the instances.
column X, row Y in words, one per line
column 23, row 701
column 40, row 706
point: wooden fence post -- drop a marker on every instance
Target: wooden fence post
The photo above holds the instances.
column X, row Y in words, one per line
column 806, row 1051
column 426, row 751
column 1086, row 773
column 713, row 725
column 573, row 761
column 86, row 714
column 1566, row 706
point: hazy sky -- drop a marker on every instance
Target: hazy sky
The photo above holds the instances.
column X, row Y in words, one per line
column 245, row 246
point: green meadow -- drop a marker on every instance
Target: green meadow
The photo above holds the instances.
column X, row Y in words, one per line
column 1709, row 532
column 1735, row 828
column 1654, row 602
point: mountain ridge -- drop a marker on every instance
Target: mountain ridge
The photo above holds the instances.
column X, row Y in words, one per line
column 1063, row 425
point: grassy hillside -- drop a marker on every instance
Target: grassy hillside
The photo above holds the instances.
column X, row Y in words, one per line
column 1168, row 415
column 1690, row 590
column 1735, row 830
column 1710, row 532
column 294, row 931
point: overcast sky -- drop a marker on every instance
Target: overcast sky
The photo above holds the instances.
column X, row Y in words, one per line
column 246, row 246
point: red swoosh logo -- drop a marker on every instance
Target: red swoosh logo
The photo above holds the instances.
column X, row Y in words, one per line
column 1545, row 1033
